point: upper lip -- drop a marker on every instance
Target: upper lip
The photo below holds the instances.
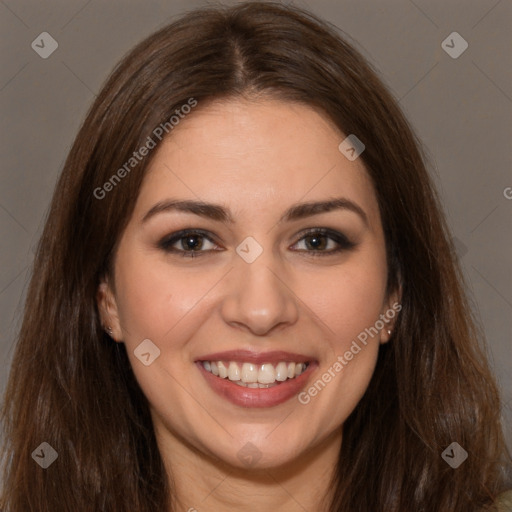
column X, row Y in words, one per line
column 248, row 356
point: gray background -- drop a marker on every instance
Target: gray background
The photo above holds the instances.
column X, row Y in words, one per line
column 461, row 109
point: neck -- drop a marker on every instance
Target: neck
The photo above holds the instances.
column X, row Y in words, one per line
column 200, row 482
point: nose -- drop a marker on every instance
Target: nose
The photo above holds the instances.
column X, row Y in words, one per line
column 258, row 299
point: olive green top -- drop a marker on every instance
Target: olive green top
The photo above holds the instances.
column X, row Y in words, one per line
column 504, row 502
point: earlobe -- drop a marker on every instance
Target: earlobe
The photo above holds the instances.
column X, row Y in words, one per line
column 393, row 308
column 107, row 308
column 386, row 334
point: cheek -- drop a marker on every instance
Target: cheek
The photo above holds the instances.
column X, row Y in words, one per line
column 349, row 302
column 151, row 299
column 349, row 299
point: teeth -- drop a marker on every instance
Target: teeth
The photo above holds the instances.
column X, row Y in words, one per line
column 281, row 372
column 255, row 376
column 223, row 371
column 249, row 373
column 254, row 385
column 267, row 374
column 234, row 371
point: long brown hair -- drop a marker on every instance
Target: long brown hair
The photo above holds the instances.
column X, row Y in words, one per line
column 72, row 387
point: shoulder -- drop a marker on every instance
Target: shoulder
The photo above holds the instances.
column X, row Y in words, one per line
column 504, row 502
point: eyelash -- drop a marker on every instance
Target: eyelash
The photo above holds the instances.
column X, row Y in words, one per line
column 344, row 244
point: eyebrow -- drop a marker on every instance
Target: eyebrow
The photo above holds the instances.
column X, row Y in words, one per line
column 219, row 213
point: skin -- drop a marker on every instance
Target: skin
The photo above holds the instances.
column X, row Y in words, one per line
column 256, row 158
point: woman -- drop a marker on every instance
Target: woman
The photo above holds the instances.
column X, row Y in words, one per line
column 245, row 296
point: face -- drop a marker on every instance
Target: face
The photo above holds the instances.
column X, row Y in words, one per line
column 250, row 283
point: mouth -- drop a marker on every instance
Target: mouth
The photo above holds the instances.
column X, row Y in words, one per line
column 255, row 376
column 251, row 379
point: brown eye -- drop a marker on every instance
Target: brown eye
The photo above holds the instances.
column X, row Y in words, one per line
column 316, row 241
column 321, row 241
column 192, row 241
column 188, row 243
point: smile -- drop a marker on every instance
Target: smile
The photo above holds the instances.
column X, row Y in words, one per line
column 255, row 379
column 255, row 375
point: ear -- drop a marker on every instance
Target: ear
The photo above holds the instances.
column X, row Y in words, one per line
column 391, row 309
column 107, row 308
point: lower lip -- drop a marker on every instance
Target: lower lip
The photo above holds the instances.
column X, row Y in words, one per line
column 256, row 397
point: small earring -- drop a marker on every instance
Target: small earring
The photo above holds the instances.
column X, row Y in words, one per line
column 109, row 331
column 389, row 332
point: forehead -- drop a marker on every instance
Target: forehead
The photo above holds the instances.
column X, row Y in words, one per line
column 255, row 156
